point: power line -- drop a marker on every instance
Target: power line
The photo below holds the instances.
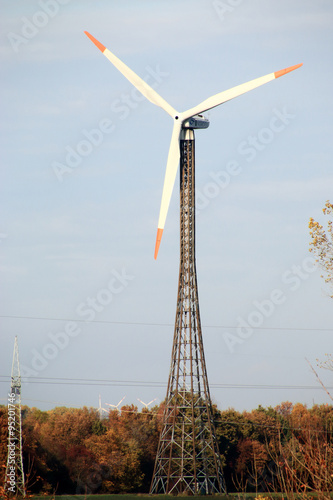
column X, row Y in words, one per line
column 137, row 323
column 142, row 383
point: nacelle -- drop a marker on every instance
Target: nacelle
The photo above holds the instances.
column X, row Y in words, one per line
column 197, row 121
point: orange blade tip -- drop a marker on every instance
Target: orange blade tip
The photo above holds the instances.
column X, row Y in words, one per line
column 158, row 241
column 96, row 42
column 286, row 70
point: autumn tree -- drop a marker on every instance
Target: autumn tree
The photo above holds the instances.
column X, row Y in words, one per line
column 251, row 463
column 53, row 443
column 265, row 425
column 242, row 440
column 64, row 435
column 127, row 449
column 321, row 244
column 35, row 457
column 3, row 442
column 303, row 456
column 231, row 427
column 288, row 448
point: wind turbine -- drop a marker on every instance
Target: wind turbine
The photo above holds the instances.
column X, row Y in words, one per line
column 189, row 119
column 146, row 404
column 100, row 409
column 188, row 458
column 116, row 407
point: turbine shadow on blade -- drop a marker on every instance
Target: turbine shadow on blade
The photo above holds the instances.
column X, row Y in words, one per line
column 180, row 119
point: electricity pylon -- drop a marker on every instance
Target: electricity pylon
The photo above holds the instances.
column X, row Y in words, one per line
column 14, row 478
column 188, row 459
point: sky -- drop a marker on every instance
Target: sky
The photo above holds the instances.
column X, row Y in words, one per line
column 82, row 170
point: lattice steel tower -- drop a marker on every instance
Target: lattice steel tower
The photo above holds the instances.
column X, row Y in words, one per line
column 188, row 459
column 14, row 478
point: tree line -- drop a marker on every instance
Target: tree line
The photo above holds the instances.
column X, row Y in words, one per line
column 288, row 448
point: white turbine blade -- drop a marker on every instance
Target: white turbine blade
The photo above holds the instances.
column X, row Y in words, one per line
column 144, row 404
column 121, row 401
column 169, row 180
column 138, row 83
column 227, row 95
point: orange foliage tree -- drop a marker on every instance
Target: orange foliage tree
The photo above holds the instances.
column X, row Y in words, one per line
column 73, row 451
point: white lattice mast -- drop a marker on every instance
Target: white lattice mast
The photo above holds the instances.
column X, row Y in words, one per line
column 14, row 478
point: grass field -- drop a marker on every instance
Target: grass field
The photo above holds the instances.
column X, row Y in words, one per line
column 134, row 497
column 141, row 496
column 230, row 496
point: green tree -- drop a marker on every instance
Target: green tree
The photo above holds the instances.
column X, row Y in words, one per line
column 231, row 427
